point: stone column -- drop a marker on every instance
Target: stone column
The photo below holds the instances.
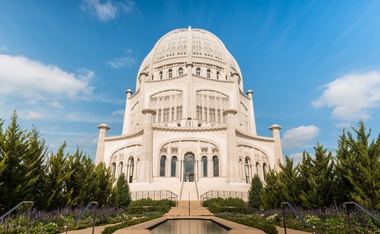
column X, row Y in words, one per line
column 277, row 145
column 127, row 113
column 252, row 121
column 232, row 158
column 100, row 150
column 146, row 164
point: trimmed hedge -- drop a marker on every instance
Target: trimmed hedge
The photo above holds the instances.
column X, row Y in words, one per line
column 231, row 205
column 148, row 205
column 112, row 229
column 255, row 221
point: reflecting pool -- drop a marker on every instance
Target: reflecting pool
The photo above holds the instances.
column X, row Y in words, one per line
column 189, row 226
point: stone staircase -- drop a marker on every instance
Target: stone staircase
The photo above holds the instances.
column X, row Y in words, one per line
column 182, row 210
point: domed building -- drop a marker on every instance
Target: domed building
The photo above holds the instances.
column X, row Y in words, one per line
column 189, row 128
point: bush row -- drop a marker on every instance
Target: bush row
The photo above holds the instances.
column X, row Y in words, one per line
column 231, row 205
column 112, row 229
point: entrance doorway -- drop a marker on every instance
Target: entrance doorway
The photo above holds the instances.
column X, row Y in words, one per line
column 188, row 167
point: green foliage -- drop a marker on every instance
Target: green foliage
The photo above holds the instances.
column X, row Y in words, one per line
column 13, row 169
column 59, row 172
column 270, row 195
column 234, row 205
column 146, row 205
column 255, row 221
column 121, row 193
column 51, row 180
column 358, row 167
column 254, row 192
column 318, row 179
column 288, row 182
column 112, row 229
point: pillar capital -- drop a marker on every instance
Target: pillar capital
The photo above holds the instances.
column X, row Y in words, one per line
column 275, row 127
column 103, row 126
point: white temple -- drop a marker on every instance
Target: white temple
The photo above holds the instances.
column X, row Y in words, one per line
column 189, row 120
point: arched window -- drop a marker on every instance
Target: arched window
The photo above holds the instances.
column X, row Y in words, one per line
column 217, row 75
column 113, row 169
column 265, row 170
column 173, row 166
column 162, row 165
column 204, row 166
column 198, row 71
column 160, row 75
column 180, row 71
column 189, row 122
column 215, row 163
column 208, row 73
column 188, row 167
column 246, row 166
column 121, row 165
column 131, row 165
column 170, row 73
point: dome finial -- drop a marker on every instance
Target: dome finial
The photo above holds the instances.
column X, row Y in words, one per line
column 189, row 28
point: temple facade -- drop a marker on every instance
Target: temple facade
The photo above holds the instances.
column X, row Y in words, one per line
column 189, row 127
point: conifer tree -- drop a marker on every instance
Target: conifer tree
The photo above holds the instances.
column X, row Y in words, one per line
column 102, row 184
column 13, row 151
column 58, row 172
column 358, row 167
column 254, row 192
column 36, row 177
column 319, row 178
column 121, row 193
column 81, row 180
column 288, row 182
column 270, row 195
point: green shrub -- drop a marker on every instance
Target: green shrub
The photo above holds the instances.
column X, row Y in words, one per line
column 218, row 205
column 255, row 221
column 148, row 205
column 112, row 229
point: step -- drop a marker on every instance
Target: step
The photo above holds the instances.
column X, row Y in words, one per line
column 183, row 209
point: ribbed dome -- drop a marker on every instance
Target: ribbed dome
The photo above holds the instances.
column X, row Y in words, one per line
column 189, row 45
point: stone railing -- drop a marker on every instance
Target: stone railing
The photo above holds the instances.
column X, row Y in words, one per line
column 154, row 195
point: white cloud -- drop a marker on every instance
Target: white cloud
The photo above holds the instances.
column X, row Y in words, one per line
column 126, row 61
column 31, row 79
column 3, row 48
column 297, row 137
column 344, row 125
column 297, row 158
column 108, row 10
column 34, row 115
column 122, row 62
column 118, row 112
column 352, row 96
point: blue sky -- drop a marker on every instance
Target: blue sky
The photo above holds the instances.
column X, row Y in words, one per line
column 314, row 66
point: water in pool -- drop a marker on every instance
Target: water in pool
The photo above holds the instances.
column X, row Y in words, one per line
column 189, row 226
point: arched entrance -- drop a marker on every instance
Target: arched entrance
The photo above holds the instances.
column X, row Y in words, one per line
column 188, row 167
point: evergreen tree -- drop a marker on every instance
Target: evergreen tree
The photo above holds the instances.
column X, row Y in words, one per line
column 270, row 195
column 58, row 172
column 358, row 167
column 319, row 191
column 13, row 170
column 304, row 169
column 102, row 185
column 81, row 181
column 36, row 177
column 254, row 192
column 288, row 182
column 121, row 193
